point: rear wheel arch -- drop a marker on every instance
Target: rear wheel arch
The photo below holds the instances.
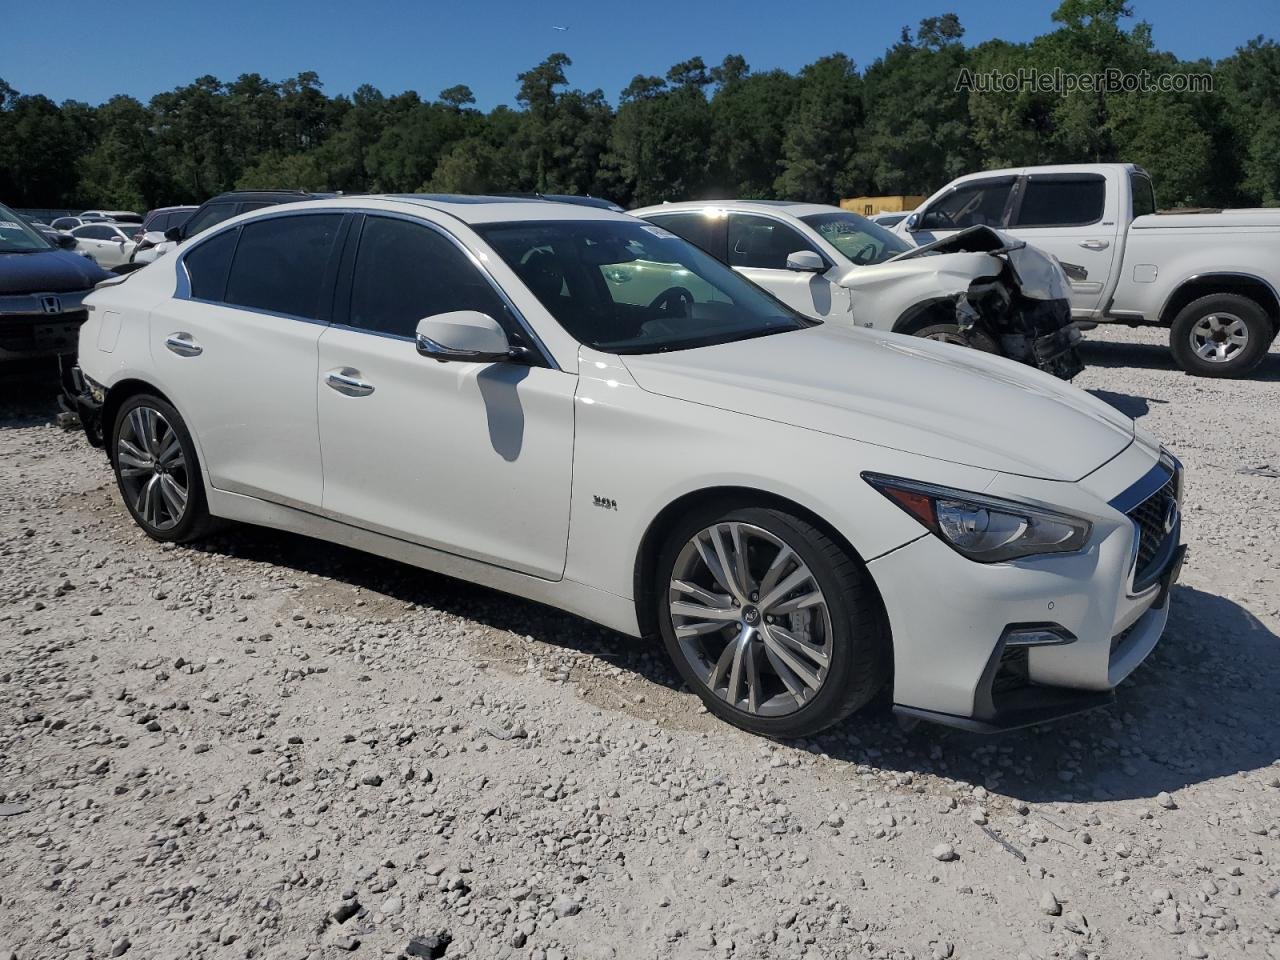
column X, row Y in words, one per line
column 730, row 498
column 118, row 393
column 1240, row 284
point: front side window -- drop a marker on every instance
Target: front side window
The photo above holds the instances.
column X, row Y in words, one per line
column 632, row 287
column 1144, row 195
column 406, row 271
column 209, row 216
column 763, row 243
column 974, row 204
column 16, row 236
column 207, row 265
column 1061, row 201
column 94, row 231
column 705, row 230
column 857, row 237
column 280, row 263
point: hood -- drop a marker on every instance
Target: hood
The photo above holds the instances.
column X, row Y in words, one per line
column 48, row 271
column 1040, row 276
column 931, row 399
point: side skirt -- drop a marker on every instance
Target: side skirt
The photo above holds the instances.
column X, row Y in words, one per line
column 607, row 609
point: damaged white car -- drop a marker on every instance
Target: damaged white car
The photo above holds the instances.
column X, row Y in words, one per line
column 978, row 288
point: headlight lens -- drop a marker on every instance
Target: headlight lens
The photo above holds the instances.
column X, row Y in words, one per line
column 982, row 528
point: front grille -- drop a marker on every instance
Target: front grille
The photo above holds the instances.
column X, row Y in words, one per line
column 1149, row 517
column 25, row 332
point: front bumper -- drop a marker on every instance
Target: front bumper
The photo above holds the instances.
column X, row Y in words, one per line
column 965, row 652
column 41, row 325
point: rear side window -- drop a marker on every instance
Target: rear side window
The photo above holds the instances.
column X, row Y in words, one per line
column 405, row 271
column 974, row 204
column 95, row 232
column 1144, row 195
column 1061, row 202
column 207, row 265
column 280, row 264
column 209, row 216
column 700, row 229
column 764, row 243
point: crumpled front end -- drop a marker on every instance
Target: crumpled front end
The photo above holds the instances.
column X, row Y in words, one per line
column 1023, row 311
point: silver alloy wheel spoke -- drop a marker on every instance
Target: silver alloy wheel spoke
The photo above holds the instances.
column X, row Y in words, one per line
column 750, row 618
column 152, row 468
column 1218, row 338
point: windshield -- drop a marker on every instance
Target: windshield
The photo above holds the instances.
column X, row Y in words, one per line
column 634, row 287
column 16, row 236
column 857, row 237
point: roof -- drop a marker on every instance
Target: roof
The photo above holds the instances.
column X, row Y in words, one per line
column 794, row 208
column 470, row 209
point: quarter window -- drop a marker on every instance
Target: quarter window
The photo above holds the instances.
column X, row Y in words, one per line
column 280, row 264
column 1061, row 202
column 207, row 265
column 405, row 271
column 974, row 204
column 762, row 242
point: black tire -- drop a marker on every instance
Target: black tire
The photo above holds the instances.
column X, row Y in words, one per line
column 1201, row 323
column 951, row 333
column 860, row 659
column 193, row 520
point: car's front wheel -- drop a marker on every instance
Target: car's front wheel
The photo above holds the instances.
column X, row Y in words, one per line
column 769, row 621
column 157, row 471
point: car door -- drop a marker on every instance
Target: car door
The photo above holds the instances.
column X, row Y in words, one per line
column 1073, row 217
column 117, row 248
column 236, row 349
column 758, row 247
column 471, row 458
column 95, row 240
column 973, row 203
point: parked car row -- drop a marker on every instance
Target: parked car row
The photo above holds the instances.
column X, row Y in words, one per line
column 718, row 442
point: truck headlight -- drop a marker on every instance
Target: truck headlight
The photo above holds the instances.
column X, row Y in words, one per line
column 982, row 528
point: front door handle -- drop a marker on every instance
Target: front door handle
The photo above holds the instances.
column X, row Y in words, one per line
column 1095, row 244
column 183, row 344
column 346, row 381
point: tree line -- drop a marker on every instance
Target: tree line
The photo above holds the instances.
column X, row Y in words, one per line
column 903, row 125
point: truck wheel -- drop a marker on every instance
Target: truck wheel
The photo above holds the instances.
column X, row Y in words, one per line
column 1221, row 335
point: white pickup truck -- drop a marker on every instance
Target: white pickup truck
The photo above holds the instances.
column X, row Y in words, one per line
column 1211, row 277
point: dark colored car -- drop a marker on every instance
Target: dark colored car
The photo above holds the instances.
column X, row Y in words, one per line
column 162, row 219
column 42, row 290
column 227, row 205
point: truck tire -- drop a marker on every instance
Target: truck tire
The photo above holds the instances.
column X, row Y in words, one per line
column 1220, row 335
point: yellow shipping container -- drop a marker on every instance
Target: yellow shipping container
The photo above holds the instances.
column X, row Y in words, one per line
column 868, row 206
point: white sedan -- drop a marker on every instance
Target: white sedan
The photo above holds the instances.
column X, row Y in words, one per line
column 108, row 244
column 804, row 512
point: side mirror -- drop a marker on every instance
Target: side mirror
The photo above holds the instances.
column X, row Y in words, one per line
column 466, row 335
column 66, row 241
column 806, row 261
column 913, row 221
column 174, row 234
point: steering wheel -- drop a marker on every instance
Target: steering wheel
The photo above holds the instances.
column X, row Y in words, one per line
column 866, row 254
column 667, row 301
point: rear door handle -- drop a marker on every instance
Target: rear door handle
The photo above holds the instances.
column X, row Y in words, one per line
column 183, row 344
column 346, row 380
column 1095, row 244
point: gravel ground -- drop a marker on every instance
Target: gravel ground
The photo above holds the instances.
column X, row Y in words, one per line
column 271, row 747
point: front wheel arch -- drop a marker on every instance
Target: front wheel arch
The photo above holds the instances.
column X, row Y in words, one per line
column 646, row 562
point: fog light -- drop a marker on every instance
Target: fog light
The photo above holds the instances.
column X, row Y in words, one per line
column 1042, row 636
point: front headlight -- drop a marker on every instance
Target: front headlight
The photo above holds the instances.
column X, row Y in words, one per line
column 982, row 528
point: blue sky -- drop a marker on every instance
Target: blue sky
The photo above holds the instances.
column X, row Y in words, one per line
column 427, row 45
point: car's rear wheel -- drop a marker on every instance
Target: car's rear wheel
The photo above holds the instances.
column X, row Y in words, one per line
column 1221, row 335
column 769, row 621
column 157, row 471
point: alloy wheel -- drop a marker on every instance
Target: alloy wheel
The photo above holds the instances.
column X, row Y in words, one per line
column 1219, row 337
column 153, row 468
column 750, row 618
